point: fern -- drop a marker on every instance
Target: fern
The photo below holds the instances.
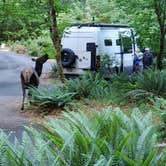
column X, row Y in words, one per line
column 101, row 138
column 90, row 85
column 50, row 97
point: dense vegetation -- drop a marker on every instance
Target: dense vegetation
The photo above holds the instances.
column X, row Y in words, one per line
column 22, row 20
column 101, row 138
column 84, row 136
column 108, row 137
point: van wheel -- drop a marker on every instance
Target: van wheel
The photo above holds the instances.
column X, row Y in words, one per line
column 67, row 57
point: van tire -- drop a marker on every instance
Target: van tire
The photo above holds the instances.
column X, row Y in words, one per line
column 68, row 57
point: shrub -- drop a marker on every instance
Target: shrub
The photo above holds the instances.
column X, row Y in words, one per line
column 90, row 85
column 159, row 105
column 153, row 81
column 39, row 46
column 150, row 83
column 124, row 82
column 105, row 66
column 18, row 47
column 101, row 138
column 87, row 86
column 47, row 97
column 121, row 84
column 54, row 71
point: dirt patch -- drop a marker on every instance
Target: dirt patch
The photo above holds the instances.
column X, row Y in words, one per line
column 10, row 117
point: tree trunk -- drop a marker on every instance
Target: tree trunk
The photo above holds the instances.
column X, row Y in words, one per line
column 161, row 52
column 55, row 38
column 87, row 10
column 160, row 10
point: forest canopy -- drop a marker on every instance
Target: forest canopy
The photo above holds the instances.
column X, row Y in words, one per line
column 24, row 19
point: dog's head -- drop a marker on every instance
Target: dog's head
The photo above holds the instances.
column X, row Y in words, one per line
column 41, row 60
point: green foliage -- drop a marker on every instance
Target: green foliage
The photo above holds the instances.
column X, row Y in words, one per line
column 21, row 19
column 159, row 105
column 35, row 47
column 40, row 45
column 47, row 97
column 101, row 138
column 139, row 95
column 89, row 85
column 18, row 47
column 105, row 61
column 140, row 87
column 149, row 85
column 105, row 66
column 124, row 82
column 141, row 15
column 152, row 83
column 81, row 87
column 75, row 14
column 121, row 84
column 54, row 71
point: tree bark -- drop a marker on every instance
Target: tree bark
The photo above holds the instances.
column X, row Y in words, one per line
column 87, row 10
column 160, row 10
column 55, row 38
column 161, row 52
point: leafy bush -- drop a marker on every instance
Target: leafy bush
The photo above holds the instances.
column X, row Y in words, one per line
column 50, row 97
column 150, row 83
column 153, row 81
column 35, row 47
column 102, row 138
column 159, row 105
column 124, row 82
column 121, row 84
column 54, row 71
column 90, row 85
column 18, row 47
column 105, row 66
column 87, row 86
column 39, row 46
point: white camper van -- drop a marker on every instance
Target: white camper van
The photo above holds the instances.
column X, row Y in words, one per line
column 84, row 44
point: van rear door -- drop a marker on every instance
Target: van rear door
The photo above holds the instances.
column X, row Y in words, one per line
column 86, row 51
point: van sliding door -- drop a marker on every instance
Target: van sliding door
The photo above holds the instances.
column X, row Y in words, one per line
column 92, row 48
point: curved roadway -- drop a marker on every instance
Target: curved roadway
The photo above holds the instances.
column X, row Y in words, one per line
column 10, row 90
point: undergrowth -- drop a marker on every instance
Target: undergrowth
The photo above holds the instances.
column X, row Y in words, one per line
column 77, row 139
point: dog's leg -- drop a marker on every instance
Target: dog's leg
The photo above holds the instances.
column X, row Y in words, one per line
column 23, row 91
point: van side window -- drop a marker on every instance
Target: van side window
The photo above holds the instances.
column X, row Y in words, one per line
column 118, row 42
column 108, row 42
column 127, row 44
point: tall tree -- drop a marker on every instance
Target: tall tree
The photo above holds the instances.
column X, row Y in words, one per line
column 160, row 10
column 142, row 15
column 21, row 19
column 55, row 37
column 87, row 10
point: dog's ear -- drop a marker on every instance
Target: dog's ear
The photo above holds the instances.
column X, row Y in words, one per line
column 33, row 59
